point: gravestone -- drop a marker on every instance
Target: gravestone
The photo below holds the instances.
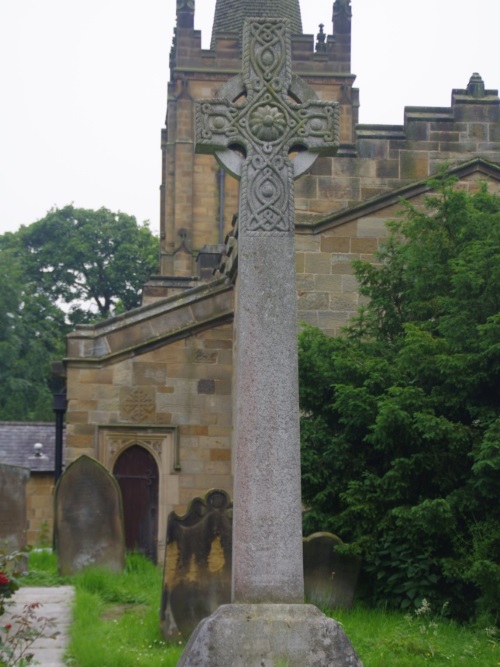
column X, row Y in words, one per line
column 197, row 572
column 330, row 578
column 13, row 519
column 263, row 117
column 88, row 522
column 197, row 569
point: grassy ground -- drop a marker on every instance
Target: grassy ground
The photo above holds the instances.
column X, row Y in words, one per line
column 116, row 616
column 388, row 639
column 116, row 624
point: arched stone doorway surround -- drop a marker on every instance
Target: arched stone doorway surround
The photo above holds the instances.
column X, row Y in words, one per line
column 163, row 445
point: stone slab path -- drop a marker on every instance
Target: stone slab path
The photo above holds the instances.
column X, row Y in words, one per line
column 56, row 603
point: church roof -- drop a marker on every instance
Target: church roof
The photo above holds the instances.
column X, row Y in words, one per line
column 230, row 14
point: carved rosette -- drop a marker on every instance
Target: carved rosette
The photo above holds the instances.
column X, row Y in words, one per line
column 267, row 123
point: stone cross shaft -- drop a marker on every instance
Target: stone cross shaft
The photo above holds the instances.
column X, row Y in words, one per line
column 266, row 129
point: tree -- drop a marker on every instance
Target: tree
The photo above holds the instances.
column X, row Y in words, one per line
column 74, row 265
column 401, row 425
column 95, row 262
column 31, row 337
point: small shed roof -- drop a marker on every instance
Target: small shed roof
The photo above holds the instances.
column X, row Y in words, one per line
column 17, row 445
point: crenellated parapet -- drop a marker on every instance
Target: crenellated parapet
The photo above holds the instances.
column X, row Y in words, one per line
column 383, row 158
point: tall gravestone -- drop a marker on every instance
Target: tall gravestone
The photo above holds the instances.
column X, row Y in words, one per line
column 13, row 519
column 278, row 115
column 88, row 521
column 197, row 571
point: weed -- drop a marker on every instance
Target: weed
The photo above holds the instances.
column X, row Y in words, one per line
column 44, row 537
column 21, row 632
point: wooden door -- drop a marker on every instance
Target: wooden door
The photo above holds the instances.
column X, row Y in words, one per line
column 137, row 474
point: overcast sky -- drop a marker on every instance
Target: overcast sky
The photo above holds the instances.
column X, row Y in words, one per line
column 83, row 86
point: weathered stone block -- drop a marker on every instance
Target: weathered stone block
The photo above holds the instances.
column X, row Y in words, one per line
column 373, row 148
column 335, row 244
column 364, row 245
column 388, row 169
column 307, row 243
column 149, row 373
column 343, row 301
column 372, row 227
column 206, row 386
column 295, row 635
column 313, row 301
column 414, row 164
column 322, row 167
column 327, row 283
column 317, row 262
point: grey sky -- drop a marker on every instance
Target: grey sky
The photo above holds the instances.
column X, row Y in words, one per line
column 84, row 87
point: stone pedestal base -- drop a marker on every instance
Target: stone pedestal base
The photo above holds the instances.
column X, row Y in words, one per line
column 269, row 635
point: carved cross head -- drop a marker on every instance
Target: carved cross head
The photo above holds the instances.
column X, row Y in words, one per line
column 266, row 111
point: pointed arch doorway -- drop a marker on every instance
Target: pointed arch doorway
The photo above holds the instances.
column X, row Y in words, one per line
column 137, row 474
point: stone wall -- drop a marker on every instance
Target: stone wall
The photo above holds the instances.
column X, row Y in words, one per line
column 40, row 508
column 385, row 158
column 158, row 377
column 327, row 289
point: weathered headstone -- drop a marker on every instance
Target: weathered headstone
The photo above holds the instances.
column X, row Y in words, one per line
column 267, row 621
column 330, row 578
column 13, row 519
column 197, row 572
column 88, row 526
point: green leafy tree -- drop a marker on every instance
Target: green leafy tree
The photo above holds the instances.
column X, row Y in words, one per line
column 95, row 262
column 401, row 425
column 31, row 336
column 74, row 265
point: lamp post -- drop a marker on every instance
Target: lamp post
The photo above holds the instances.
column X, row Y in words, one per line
column 59, row 407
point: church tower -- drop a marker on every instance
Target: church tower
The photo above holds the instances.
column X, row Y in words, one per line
column 230, row 15
column 158, row 379
column 198, row 200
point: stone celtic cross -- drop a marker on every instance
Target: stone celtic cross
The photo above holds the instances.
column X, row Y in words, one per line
column 279, row 115
column 267, row 129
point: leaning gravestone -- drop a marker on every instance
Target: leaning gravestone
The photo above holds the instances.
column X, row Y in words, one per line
column 197, row 572
column 330, row 578
column 13, row 519
column 280, row 115
column 88, row 526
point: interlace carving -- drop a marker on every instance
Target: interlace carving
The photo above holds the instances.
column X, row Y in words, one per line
column 279, row 115
column 139, row 405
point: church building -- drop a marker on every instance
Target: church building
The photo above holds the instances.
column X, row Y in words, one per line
column 149, row 391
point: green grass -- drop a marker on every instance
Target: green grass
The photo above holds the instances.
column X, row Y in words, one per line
column 389, row 639
column 42, row 569
column 115, row 616
column 116, row 624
